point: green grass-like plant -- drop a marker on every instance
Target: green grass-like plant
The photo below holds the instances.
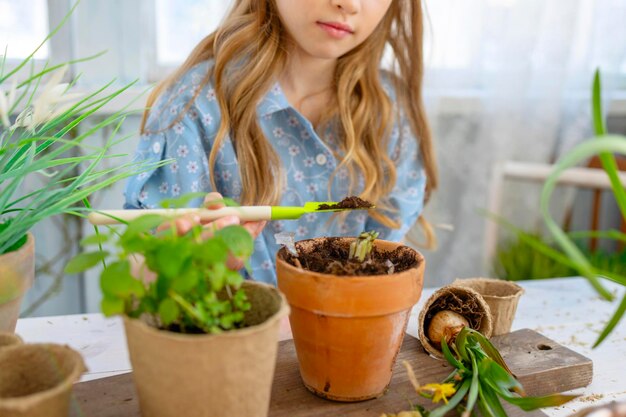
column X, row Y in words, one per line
column 49, row 139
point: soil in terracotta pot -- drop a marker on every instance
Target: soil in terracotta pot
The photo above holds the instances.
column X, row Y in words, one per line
column 330, row 256
column 347, row 203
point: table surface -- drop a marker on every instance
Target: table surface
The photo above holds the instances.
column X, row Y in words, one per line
column 566, row 310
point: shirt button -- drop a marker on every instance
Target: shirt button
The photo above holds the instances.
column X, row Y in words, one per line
column 320, row 159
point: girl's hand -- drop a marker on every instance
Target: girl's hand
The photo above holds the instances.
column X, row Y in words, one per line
column 213, row 201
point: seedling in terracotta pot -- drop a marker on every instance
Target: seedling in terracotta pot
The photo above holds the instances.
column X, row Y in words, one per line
column 350, row 300
column 479, row 380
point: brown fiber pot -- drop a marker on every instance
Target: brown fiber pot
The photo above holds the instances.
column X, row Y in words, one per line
column 206, row 375
column 17, row 270
column 36, row 379
column 348, row 330
column 502, row 297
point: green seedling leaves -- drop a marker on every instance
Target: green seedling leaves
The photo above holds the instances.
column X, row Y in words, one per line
column 85, row 261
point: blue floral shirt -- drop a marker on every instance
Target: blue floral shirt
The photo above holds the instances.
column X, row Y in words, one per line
column 306, row 156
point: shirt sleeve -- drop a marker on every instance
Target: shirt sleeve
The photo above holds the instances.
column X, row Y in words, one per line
column 180, row 141
column 407, row 196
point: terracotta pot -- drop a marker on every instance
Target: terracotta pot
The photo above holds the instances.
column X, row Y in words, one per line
column 502, row 297
column 36, row 379
column 202, row 375
column 17, row 271
column 9, row 339
column 463, row 300
column 348, row 330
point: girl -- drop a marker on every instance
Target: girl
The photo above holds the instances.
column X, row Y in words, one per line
column 286, row 103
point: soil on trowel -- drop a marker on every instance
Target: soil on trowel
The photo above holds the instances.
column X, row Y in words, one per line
column 352, row 202
column 330, row 256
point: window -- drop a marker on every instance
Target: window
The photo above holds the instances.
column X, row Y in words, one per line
column 181, row 25
column 23, row 25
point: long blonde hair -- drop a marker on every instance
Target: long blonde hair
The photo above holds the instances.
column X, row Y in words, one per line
column 249, row 51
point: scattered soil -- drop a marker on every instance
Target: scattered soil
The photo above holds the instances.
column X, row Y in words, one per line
column 330, row 256
column 352, row 202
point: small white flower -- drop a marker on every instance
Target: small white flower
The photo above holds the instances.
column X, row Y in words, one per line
column 179, row 129
column 344, row 228
column 412, row 192
column 226, row 175
column 305, row 134
column 301, row 231
column 294, row 150
column 182, row 151
column 342, row 174
column 51, row 103
column 164, row 187
column 174, row 167
column 142, row 176
column 193, row 113
column 143, row 196
column 361, row 218
column 207, row 119
column 310, row 217
column 266, row 265
column 298, row 176
column 156, row 147
column 278, row 132
column 278, row 226
column 311, row 188
column 175, row 189
column 308, row 161
column 192, row 167
column 293, row 121
column 413, row 175
column 210, row 94
column 173, row 110
column 195, row 187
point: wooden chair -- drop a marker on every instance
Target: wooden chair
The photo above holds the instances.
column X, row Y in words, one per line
column 588, row 177
column 597, row 197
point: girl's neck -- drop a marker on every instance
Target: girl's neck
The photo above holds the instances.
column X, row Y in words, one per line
column 307, row 84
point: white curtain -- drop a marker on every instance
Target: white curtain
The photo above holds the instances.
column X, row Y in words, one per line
column 509, row 80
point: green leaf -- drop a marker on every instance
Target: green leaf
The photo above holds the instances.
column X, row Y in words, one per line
column 450, row 357
column 143, row 224
column 84, row 261
column 212, row 251
column 98, row 239
column 238, row 240
column 182, row 201
column 490, row 400
column 185, row 281
column 617, row 316
column 497, row 377
column 489, row 348
column 112, row 306
column 533, row 403
column 168, row 311
column 117, row 281
column 473, row 391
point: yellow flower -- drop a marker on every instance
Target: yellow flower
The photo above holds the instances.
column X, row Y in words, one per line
column 439, row 391
column 404, row 414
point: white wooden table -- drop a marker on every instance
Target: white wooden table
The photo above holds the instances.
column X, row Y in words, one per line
column 565, row 310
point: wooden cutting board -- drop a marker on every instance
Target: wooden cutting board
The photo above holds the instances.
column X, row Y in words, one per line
column 542, row 365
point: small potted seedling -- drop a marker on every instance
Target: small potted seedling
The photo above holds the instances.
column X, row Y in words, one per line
column 350, row 301
column 479, row 381
column 202, row 341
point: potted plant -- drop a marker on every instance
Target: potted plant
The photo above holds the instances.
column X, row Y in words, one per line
column 45, row 140
column 202, row 341
column 350, row 301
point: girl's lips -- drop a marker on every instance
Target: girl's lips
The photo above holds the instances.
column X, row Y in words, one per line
column 336, row 30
